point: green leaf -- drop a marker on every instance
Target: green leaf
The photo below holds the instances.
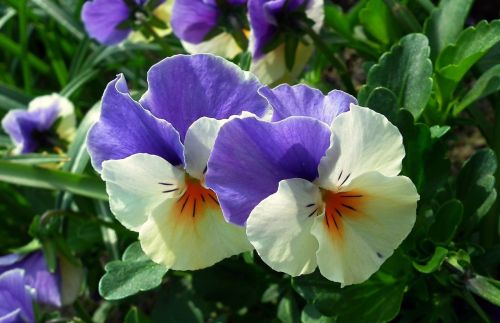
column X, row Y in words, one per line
column 439, row 131
column 448, row 219
column 33, row 176
column 134, row 315
column 378, row 20
column 62, row 17
column 434, row 263
column 13, row 99
column 131, row 275
column 384, row 101
column 476, row 186
column 487, row 84
column 487, row 288
column 406, row 70
column 445, row 24
column 376, row 300
column 311, row 315
column 288, row 311
column 37, row 159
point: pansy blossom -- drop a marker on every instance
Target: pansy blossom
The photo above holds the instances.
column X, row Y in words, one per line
column 209, row 26
column 316, row 193
column 47, row 125
column 112, row 21
column 275, row 24
column 153, row 155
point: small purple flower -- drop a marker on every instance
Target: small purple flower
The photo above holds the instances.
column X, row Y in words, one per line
column 205, row 27
column 271, row 22
column 103, row 18
column 47, row 124
column 23, row 279
column 153, row 155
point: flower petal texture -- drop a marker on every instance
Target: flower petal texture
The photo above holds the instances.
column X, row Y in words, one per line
column 192, row 20
column 363, row 230
column 211, row 87
column 302, row 100
column 250, row 157
column 139, row 183
column 279, row 227
column 101, row 19
column 362, row 141
column 15, row 300
column 125, row 128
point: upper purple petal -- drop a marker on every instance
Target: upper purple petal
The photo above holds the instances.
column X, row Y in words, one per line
column 37, row 276
column 302, row 100
column 15, row 300
column 192, row 20
column 125, row 128
column 251, row 156
column 102, row 17
column 21, row 125
column 263, row 16
column 184, row 88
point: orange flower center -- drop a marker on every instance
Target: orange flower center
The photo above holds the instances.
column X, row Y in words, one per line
column 195, row 200
column 339, row 205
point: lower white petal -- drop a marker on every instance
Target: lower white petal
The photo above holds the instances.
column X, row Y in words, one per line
column 137, row 184
column 221, row 45
column 363, row 225
column 189, row 232
column 279, row 227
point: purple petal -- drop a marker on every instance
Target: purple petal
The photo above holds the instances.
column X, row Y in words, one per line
column 125, row 128
column 15, row 300
column 263, row 16
column 37, row 276
column 251, row 156
column 102, row 17
column 192, row 20
column 22, row 125
column 302, row 100
column 184, row 88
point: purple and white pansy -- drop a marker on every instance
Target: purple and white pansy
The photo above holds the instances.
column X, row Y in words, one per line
column 153, row 155
column 268, row 19
column 47, row 125
column 110, row 21
column 204, row 26
column 318, row 186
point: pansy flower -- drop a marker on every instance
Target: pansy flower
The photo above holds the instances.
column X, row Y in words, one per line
column 277, row 29
column 47, row 125
column 210, row 26
column 153, row 155
column 112, row 21
column 320, row 189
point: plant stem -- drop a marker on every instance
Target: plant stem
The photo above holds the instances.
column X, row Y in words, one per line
column 166, row 48
column 23, row 40
column 330, row 54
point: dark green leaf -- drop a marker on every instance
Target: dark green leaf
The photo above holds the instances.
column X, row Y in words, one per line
column 134, row 315
column 406, row 70
column 378, row 20
column 487, row 84
column 447, row 221
column 434, row 263
column 311, row 315
column 28, row 175
column 62, row 17
column 288, row 311
column 384, row 101
column 445, row 24
column 131, row 275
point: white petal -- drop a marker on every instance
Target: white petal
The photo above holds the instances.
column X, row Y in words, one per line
column 374, row 217
column 190, row 233
column 271, row 69
column 139, row 183
column 362, row 141
column 221, row 45
column 316, row 12
column 67, row 124
column 279, row 227
column 200, row 140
